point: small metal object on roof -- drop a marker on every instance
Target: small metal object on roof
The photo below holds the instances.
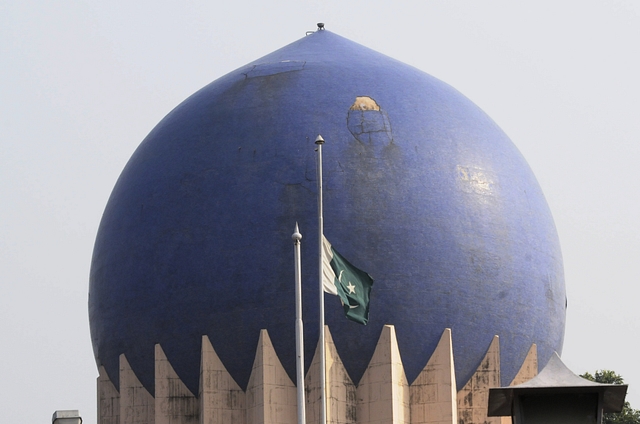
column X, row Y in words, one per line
column 69, row 416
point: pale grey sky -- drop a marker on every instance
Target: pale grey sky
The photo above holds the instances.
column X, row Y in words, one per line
column 83, row 82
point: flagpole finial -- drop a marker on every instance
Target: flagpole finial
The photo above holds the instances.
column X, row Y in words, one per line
column 296, row 236
column 319, row 139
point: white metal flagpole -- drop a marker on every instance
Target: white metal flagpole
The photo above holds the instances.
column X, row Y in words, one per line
column 323, row 375
column 299, row 330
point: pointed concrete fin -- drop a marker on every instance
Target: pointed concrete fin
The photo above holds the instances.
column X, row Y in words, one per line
column 433, row 393
column 137, row 406
column 383, row 392
column 175, row 404
column 312, row 387
column 271, row 395
column 529, row 368
column 222, row 401
column 473, row 398
column 108, row 399
column 341, row 392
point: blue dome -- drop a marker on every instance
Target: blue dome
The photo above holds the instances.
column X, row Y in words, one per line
column 422, row 190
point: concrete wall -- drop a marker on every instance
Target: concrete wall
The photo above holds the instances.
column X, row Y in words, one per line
column 341, row 392
column 433, row 393
column 474, row 396
column 175, row 404
column 382, row 396
column 222, row 401
column 137, row 406
column 108, row 400
column 383, row 391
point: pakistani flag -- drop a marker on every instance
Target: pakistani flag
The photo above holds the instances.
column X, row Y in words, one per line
column 342, row 279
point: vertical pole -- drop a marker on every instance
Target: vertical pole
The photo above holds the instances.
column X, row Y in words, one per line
column 299, row 327
column 323, row 374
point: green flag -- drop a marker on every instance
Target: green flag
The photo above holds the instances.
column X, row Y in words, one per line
column 351, row 284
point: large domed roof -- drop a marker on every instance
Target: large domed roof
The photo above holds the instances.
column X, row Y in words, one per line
column 422, row 190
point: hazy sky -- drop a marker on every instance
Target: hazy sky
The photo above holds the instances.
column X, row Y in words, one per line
column 83, row 82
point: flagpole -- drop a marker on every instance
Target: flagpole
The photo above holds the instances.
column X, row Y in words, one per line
column 323, row 393
column 296, row 236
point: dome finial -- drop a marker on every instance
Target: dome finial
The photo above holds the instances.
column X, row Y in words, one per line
column 320, row 26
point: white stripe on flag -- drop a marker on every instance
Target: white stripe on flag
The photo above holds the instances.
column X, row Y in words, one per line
column 328, row 276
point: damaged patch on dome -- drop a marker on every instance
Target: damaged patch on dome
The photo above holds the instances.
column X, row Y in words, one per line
column 368, row 123
column 364, row 103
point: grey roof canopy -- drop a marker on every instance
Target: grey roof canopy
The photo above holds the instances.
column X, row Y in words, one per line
column 555, row 378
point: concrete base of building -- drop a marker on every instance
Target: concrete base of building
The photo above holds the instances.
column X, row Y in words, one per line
column 382, row 396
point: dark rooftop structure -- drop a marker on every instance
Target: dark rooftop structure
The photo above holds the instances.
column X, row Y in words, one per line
column 556, row 395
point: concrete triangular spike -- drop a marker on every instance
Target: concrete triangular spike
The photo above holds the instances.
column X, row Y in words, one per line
column 383, row 392
column 341, row 392
column 528, row 370
column 271, row 395
column 175, row 404
column 312, row 387
column 108, row 399
column 222, row 401
column 433, row 393
column 137, row 406
column 473, row 398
